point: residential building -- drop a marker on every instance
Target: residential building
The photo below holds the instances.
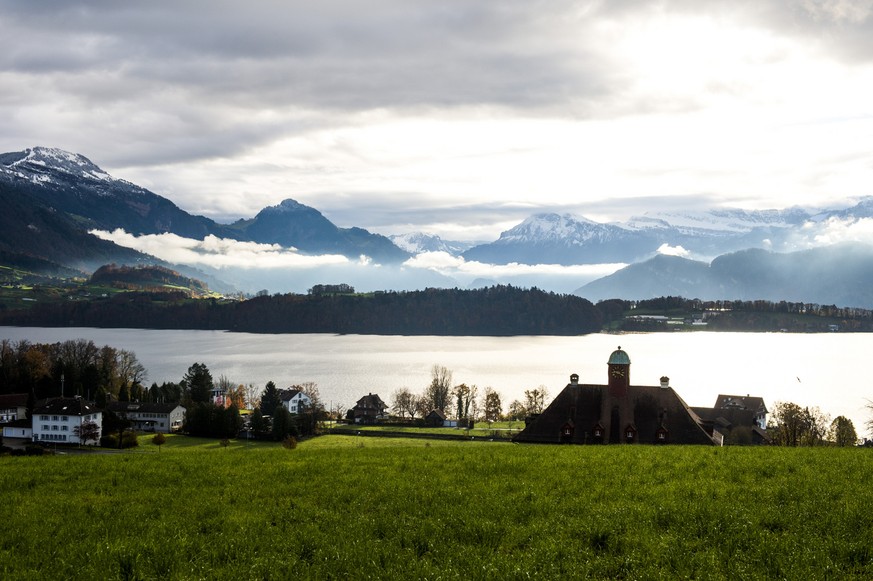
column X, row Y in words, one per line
column 294, row 400
column 368, row 409
column 150, row 417
column 57, row 419
column 13, row 406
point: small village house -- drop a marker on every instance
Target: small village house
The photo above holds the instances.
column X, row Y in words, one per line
column 150, row 417
column 294, row 400
column 368, row 409
column 13, row 406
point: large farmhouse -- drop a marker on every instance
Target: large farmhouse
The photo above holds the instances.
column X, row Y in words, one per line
column 58, row 420
column 617, row 413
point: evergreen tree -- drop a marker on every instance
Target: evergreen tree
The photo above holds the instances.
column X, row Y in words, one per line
column 269, row 399
column 199, row 383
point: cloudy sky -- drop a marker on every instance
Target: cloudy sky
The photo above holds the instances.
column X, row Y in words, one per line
column 454, row 117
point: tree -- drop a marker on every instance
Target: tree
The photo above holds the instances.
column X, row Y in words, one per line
column 464, row 396
column 282, row 424
column 869, row 423
column 535, row 399
column 517, row 411
column 493, row 406
column 198, row 382
column 87, row 431
column 791, row 425
column 842, row 432
column 251, row 396
column 404, row 402
column 158, row 440
column 269, row 399
column 437, row 393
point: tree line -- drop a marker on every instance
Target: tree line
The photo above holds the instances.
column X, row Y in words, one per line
column 498, row 310
column 463, row 402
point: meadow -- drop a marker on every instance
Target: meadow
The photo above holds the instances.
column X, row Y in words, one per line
column 346, row 507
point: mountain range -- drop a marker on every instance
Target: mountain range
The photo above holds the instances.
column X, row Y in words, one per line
column 52, row 199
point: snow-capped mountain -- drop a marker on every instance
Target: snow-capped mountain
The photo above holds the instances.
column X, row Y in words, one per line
column 43, row 166
column 721, row 220
column 418, row 242
column 563, row 239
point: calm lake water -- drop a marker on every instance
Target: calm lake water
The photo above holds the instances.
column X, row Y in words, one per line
column 832, row 371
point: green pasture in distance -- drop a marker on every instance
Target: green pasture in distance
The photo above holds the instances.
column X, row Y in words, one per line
column 353, row 507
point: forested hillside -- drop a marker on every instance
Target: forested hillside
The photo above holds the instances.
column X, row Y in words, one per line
column 499, row 310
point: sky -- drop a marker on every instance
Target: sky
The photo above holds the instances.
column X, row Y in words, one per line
column 454, row 118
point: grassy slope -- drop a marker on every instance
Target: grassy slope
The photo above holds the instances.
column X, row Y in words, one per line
column 349, row 507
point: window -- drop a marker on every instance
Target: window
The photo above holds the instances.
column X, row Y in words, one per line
column 64, row 418
column 44, row 418
column 55, row 428
column 54, row 418
column 64, row 428
column 45, row 428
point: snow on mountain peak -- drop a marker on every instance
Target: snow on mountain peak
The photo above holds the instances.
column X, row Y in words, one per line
column 419, row 242
column 553, row 227
column 38, row 163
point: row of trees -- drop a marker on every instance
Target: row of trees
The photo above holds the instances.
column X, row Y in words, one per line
column 78, row 367
column 463, row 401
column 792, row 425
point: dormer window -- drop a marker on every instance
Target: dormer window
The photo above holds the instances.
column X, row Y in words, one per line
column 630, row 434
column 661, row 435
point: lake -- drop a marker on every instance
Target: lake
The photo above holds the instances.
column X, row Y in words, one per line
column 832, row 371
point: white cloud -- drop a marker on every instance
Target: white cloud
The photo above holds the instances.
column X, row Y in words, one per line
column 218, row 252
column 456, row 266
column 672, row 250
column 836, row 230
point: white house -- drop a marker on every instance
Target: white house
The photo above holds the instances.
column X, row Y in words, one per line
column 294, row 400
column 13, row 406
column 150, row 417
column 18, row 429
column 56, row 420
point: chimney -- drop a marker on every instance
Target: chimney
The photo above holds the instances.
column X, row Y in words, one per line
column 574, row 379
column 665, row 382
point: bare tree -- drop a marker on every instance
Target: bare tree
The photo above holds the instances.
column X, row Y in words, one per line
column 535, row 399
column 437, row 393
column 405, row 402
column 252, row 396
column 869, row 423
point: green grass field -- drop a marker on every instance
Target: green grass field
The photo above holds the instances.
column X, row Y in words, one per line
column 346, row 507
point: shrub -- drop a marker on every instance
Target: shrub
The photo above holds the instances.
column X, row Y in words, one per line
column 128, row 440
column 290, row 442
column 35, row 450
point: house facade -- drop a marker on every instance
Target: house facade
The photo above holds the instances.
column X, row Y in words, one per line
column 368, row 409
column 294, row 400
column 13, row 406
column 618, row 412
column 736, row 419
column 56, row 421
column 150, row 417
